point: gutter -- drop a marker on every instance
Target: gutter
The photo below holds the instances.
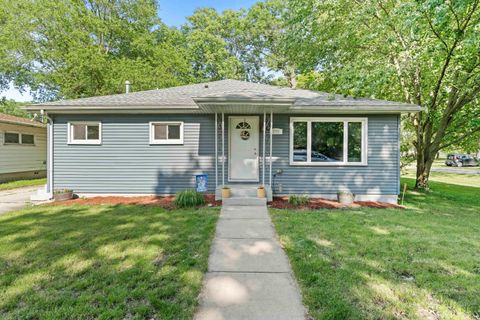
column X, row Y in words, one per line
column 50, row 154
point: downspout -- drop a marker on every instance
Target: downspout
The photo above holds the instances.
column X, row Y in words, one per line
column 49, row 154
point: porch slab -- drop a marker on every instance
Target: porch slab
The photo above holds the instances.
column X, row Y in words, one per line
column 244, row 229
column 247, row 255
column 241, row 296
column 243, row 212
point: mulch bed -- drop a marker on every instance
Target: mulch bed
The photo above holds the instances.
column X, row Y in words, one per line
column 319, row 203
column 164, row 202
column 168, row 202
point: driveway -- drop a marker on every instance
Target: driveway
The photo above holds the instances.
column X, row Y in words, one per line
column 16, row 198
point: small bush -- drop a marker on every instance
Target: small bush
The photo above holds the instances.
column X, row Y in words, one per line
column 189, row 199
column 298, row 200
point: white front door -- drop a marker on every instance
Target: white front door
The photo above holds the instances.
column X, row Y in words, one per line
column 243, row 148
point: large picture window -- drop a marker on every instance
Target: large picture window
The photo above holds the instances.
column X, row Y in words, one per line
column 328, row 141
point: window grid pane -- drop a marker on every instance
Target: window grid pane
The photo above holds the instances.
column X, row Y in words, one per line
column 79, row 131
column 11, row 137
column 327, row 141
column 354, row 142
column 93, row 132
column 173, row 132
column 160, row 131
column 28, row 139
column 300, row 141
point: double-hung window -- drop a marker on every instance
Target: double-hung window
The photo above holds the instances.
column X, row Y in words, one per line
column 166, row 132
column 89, row 132
column 328, row 141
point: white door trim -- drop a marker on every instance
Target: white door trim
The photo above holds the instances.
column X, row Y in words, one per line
column 257, row 179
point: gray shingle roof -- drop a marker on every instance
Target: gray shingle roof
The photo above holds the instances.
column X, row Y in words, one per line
column 224, row 90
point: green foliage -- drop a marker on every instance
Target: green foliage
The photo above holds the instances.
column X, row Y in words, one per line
column 189, row 199
column 298, row 200
column 71, row 49
column 13, row 108
column 420, row 52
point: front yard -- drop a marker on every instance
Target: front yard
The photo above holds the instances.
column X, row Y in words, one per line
column 418, row 263
column 108, row 262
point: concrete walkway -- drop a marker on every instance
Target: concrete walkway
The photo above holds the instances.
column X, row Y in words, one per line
column 248, row 276
column 16, row 198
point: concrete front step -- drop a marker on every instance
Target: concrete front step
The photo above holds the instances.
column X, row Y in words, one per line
column 244, row 201
column 243, row 191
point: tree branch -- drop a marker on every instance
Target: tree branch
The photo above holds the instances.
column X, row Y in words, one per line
column 459, row 139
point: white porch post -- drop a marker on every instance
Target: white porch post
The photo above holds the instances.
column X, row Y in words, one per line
column 271, row 136
column 263, row 147
column 223, row 149
column 216, row 150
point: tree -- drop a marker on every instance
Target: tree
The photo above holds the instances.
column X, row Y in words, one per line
column 78, row 48
column 13, row 108
column 421, row 52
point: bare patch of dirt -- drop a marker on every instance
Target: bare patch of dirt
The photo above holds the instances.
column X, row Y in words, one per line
column 164, row 202
column 319, row 203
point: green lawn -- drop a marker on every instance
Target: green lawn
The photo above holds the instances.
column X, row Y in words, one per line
column 471, row 180
column 103, row 262
column 22, row 183
column 419, row 263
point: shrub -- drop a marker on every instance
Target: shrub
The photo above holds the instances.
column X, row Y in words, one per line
column 189, row 199
column 298, row 200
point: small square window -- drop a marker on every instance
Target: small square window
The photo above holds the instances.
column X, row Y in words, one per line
column 85, row 133
column 28, row 139
column 12, row 137
column 166, row 132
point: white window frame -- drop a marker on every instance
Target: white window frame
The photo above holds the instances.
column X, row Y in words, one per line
column 165, row 141
column 345, row 121
column 87, row 141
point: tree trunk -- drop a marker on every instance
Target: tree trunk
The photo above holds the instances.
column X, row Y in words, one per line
column 426, row 153
column 423, row 174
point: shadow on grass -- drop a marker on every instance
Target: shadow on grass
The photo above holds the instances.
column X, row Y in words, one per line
column 103, row 261
column 419, row 263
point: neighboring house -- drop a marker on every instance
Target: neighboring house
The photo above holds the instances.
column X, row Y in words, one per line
column 292, row 141
column 23, row 148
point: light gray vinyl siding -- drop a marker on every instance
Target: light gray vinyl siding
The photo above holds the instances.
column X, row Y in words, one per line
column 125, row 162
column 22, row 158
column 381, row 176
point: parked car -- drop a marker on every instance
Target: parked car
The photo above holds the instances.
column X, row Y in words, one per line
column 460, row 160
column 301, row 155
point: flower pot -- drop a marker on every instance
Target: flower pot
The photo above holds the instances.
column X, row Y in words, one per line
column 345, row 198
column 62, row 196
column 261, row 192
column 226, row 193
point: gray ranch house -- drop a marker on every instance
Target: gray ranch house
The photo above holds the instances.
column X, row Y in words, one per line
column 239, row 133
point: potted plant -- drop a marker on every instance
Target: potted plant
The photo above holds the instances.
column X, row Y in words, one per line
column 345, row 197
column 261, row 192
column 62, row 194
column 226, row 192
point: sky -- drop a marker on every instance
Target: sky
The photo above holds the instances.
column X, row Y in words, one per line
column 172, row 13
